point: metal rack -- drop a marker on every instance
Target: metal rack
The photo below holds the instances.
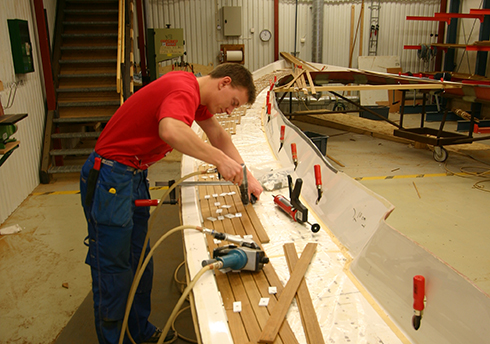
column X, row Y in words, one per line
column 435, row 137
column 374, row 28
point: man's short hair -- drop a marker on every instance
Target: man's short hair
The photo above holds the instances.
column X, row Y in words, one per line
column 240, row 77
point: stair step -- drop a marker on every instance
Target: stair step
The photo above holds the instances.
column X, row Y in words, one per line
column 81, row 47
column 94, row 5
column 83, row 111
column 86, row 17
column 103, row 41
column 82, row 119
column 65, row 169
column 87, row 61
column 73, row 151
column 88, row 35
column 84, row 2
column 84, row 69
column 89, row 23
column 87, row 55
column 86, row 89
column 66, row 83
column 91, row 11
column 91, row 134
column 88, row 97
column 87, row 104
column 97, row 75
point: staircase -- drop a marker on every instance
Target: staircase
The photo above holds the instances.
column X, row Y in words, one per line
column 85, row 63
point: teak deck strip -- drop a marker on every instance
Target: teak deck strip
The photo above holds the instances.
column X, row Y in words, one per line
column 273, row 325
column 259, row 229
column 245, row 287
column 309, row 318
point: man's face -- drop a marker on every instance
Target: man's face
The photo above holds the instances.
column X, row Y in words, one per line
column 228, row 98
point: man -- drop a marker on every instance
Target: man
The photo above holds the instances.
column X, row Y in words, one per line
column 145, row 128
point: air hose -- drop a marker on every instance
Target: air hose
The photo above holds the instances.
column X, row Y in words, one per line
column 144, row 262
column 139, row 274
column 173, row 315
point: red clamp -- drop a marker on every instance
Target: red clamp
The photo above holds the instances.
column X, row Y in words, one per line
column 418, row 300
column 318, row 182
column 283, row 132
column 146, row 202
column 294, row 153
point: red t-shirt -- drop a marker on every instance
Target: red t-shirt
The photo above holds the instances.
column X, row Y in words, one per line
column 131, row 136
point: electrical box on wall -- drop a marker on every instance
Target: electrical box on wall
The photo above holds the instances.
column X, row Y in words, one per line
column 232, row 20
column 20, row 44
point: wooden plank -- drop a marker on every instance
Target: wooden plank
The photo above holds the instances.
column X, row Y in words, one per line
column 308, row 315
column 261, row 313
column 246, row 287
column 296, row 76
column 239, row 228
column 271, row 329
column 247, row 314
column 235, row 322
column 257, row 225
column 374, row 87
column 273, row 278
column 351, row 40
column 362, row 28
column 286, row 333
column 246, row 221
column 9, row 146
column 310, row 81
column 304, row 88
column 297, row 61
column 240, row 328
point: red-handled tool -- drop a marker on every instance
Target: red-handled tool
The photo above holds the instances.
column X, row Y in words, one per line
column 294, row 208
column 146, row 202
column 318, row 182
column 283, row 132
column 418, row 300
column 294, row 153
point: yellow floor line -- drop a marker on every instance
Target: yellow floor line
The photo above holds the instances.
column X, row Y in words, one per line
column 74, row 192
column 405, row 176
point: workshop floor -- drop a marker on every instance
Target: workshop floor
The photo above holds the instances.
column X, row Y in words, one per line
column 45, row 292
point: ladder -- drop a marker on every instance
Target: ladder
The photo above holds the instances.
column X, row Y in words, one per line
column 374, row 28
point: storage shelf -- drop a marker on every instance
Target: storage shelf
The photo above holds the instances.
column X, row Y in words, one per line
column 459, row 15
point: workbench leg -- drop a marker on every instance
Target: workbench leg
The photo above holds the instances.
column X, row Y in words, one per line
column 441, row 127
column 402, row 108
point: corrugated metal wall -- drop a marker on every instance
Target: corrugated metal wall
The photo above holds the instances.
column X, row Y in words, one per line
column 19, row 175
column 199, row 20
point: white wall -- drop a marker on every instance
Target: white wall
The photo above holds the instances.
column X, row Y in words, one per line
column 19, row 175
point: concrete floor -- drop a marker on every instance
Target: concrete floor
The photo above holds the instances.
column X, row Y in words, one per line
column 445, row 214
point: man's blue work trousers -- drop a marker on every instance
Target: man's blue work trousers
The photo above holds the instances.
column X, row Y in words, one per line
column 116, row 233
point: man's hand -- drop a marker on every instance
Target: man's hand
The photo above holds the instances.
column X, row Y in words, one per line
column 230, row 170
column 254, row 186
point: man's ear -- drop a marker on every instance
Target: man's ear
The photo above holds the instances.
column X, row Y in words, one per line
column 226, row 80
